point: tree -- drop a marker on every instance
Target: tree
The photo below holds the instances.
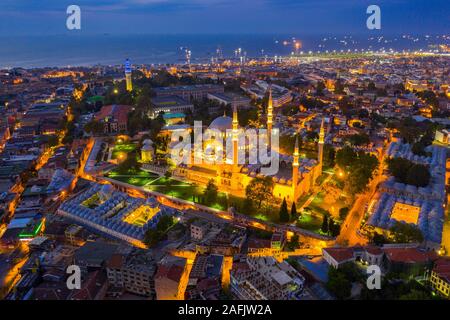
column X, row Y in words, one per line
column 378, row 239
column 343, row 212
column 153, row 236
column 284, row 214
column 358, row 139
column 338, row 284
column 130, row 164
column 260, row 189
column 334, row 228
column 329, row 155
column 210, row 192
column 398, row 167
column 408, row 172
column 294, row 214
column 294, row 242
column 418, row 175
column 406, row 233
column 324, row 227
column 415, row 295
column 359, row 167
column 94, row 127
column 345, row 157
column 418, row 148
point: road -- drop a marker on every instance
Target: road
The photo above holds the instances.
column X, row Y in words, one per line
column 446, row 234
column 349, row 230
column 349, row 235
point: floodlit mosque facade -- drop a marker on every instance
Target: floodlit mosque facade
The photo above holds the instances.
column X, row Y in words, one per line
column 295, row 177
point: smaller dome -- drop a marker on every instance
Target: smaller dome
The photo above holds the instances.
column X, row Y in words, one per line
column 147, row 142
column 222, row 123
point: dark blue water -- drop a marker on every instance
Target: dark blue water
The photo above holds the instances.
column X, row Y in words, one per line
column 76, row 50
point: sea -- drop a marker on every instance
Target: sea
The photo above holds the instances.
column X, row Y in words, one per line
column 111, row 49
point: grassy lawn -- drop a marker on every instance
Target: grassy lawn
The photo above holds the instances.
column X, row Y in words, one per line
column 122, row 148
column 177, row 189
column 310, row 222
column 185, row 191
column 320, row 205
column 138, row 179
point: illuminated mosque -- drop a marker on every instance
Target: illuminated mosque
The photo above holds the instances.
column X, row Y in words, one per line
column 295, row 177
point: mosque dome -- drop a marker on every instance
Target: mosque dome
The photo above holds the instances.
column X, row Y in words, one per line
column 147, row 142
column 222, row 123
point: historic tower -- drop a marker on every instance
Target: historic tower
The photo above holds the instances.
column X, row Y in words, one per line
column 269, row 116
column 128, row 75
column 321, row 143
column 295, row 166
column 235, row 139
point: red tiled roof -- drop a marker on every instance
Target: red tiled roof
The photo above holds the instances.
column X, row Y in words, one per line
column 117, row 111
column 340, row 254
column 90, row 287
column 240, row 266
column 51, row 291
column 373, row 250
column 258, row 243
column 115, row 262
column 172, row 272
column 206, row 284
column 409, row 255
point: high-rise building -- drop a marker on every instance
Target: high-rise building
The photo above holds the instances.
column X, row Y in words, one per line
column 269, row 115
column 321, row 143
column 128, row 75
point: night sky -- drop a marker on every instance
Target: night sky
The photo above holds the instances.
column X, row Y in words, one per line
column 48, row 17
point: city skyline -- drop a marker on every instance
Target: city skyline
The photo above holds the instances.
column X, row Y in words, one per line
column 224, row 151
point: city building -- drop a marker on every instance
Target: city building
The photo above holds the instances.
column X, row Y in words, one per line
column 132, row 272
column 170, row 104
column 128, row 74
column 265, row 279
column 189, row 93
column 198, row 229
column 294, row 178
column 114, row 118
column 420, row 206
column 147, row 151
column 440, row 277
column 171, row 279
column 232, row 99
column 114, row 214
